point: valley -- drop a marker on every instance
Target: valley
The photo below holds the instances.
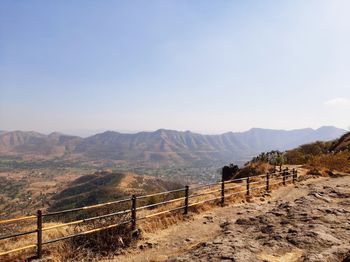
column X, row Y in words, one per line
column 34, row 168
column 60, row 188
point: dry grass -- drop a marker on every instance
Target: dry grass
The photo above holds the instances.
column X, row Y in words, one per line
column 108, row 243
column 22, row 241
column 332, row 162
column 81, row 248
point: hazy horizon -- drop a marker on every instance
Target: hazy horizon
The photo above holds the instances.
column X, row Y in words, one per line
column 204, row 66
column 86, row 132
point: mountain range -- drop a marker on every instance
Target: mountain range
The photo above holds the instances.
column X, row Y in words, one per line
column 161, row 147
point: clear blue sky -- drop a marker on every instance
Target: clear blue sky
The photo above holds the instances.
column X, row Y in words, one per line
column 207, row 66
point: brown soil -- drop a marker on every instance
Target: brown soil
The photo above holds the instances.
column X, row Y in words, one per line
column 306, row 222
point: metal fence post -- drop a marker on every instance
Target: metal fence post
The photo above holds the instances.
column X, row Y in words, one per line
column 293, row 175
column 222, row 193
column 39, row 243
column 186, row 200
column 222, row 188
column 133, row 213
column 267, row 181
column 248, row 186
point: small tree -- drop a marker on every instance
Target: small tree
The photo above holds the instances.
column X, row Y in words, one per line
column 280, row 160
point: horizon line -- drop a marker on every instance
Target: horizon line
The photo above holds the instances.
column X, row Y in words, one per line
column 96, row 132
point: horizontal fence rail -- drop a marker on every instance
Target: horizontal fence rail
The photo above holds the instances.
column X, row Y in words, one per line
column 206, row 185
column 245, row 185
column 85, row 233
column 160, row 203
column 86, row 207
column 16, row 219
column 161, row 193
column 18, row 234
column 17, row 249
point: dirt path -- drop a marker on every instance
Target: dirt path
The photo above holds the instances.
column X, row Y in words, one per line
column 306, row 222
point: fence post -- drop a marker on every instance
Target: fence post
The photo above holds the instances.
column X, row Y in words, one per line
column 186, row 200
column 248, row 186
column 222, row 193
column 133, row 213
column 284, row 177
column 39, row 243
column 293, row 175
column 222, row 188
column 267, row 181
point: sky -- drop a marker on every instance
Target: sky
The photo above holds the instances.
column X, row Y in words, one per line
column 207, row 66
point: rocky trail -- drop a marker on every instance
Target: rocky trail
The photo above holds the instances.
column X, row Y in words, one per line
column 306, row 222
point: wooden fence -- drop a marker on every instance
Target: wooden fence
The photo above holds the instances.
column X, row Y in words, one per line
column 188, row 193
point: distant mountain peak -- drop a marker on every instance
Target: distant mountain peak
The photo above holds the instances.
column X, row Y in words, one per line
column 163, row 146
column 55, row 134
column 107, row 133
column 328, row 128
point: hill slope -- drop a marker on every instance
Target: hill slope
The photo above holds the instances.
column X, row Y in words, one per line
column 36, row 144
column 284, row 228
column 342, row 143
column 106, row 186
column 162, row 147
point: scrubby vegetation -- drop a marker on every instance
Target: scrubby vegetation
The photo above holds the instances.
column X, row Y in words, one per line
column 255, row 168
column 107, row 186
column 30, row 185
column 331, row 156
column 304, row 154
column 321, row 156
column 332, row 162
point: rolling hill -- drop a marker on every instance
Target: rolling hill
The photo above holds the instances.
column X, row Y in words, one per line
column 161, row 147
column 106, row 186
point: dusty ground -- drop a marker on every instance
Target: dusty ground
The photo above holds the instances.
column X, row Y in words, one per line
column 307, row 222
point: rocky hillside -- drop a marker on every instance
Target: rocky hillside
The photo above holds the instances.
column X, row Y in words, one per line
column 308, row 223
column 341, row 144
column 162, row 147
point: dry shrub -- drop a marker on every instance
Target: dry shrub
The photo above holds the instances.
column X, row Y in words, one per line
column 31, row 239
column 333, row 162
column 18, row 242
column 254, row 169
column 160, row 222
column 314, row 172
column 295, row 157
column 92, row 247
column 80, row 248
column 105, row 243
